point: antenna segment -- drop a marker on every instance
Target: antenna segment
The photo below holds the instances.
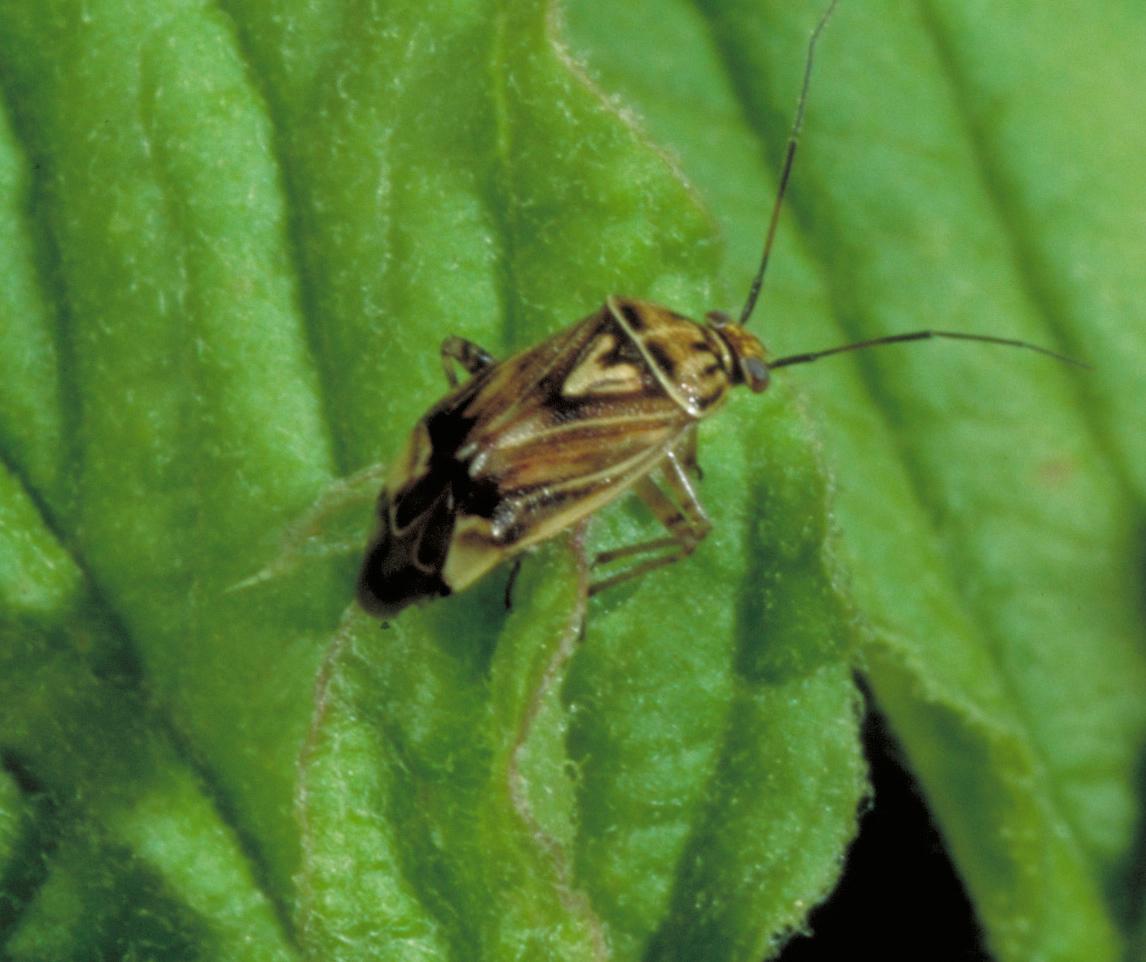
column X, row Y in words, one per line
column 786, row 171
column 921, row 336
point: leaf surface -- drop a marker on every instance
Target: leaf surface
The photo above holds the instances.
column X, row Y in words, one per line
column 232, row 238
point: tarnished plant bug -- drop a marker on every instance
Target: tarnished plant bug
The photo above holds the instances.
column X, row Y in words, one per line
column 531, row 445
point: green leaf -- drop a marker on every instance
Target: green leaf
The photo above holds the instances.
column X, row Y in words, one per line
column 955, row 174
column 232, row 238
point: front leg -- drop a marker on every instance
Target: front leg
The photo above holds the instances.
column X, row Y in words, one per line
column 466, row 353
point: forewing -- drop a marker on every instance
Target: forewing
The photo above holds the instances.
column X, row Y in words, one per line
column 567, row 427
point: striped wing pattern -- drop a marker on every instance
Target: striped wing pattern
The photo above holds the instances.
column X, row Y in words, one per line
column 589, row 416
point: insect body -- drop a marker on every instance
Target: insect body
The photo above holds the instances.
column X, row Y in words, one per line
column 535, row 443
column 531, row 445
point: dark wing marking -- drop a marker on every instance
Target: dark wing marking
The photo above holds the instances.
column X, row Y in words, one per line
column 405, row 566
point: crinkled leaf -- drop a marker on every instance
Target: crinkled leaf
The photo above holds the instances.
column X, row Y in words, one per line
column 232, row 238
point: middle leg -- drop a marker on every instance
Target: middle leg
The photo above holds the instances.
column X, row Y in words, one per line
column 682, row 515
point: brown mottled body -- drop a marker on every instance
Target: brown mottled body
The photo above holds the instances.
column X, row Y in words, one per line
column 532, row 444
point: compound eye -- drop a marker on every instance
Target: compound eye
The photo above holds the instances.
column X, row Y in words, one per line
column 755, row 372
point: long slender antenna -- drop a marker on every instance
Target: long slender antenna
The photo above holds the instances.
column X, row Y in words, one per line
column 920, row 336
column 786, row 171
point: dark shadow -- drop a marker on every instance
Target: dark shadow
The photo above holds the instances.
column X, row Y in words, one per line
column 899, row 896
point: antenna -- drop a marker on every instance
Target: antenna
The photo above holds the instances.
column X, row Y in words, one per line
column 921, row 336
column 786, row 171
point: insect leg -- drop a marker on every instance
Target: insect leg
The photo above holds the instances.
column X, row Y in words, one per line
column 681, row 514
column 466, row 353
column 688, row 456
column 513, row 573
